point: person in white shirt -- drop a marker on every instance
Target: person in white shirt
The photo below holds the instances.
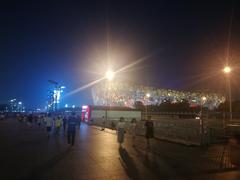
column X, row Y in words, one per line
column 120, row 131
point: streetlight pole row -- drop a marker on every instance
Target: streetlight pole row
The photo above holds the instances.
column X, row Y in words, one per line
column 109, row 75
column 227, row 70
column 148, row 95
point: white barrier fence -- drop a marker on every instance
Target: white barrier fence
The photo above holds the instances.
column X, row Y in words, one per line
column 186, row 131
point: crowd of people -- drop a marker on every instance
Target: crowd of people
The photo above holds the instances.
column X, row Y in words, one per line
column 121, row 130
column 55, row 123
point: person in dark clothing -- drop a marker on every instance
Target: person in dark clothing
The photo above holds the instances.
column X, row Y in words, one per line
column 30, row 120
column 71, row 131
column 35, row 119
column 64, row 123
column 149, row 131
column 79, row 121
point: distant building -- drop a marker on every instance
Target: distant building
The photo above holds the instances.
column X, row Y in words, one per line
column 4, row 108
column 12, row 106
column 54, row 98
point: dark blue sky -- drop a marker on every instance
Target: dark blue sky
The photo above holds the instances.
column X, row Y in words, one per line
column 66, row 42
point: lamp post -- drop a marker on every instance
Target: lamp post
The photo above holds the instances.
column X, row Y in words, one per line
column 148, row 95
column 227, row 70
column 203, row 100
column 109, row 75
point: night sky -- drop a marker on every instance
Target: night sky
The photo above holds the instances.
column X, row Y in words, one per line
column 67, row 42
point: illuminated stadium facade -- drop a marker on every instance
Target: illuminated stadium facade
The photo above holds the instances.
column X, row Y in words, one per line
column 126, row 94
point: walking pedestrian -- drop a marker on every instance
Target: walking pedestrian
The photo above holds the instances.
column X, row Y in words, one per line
column 58, row 123
column 120, row 131
column 64, row 123
column 20, row 118
column 149, row 131
column 35, row 117
column 79, row 121
column 25, row 118
column 39, row 120
column 71, row 131
column 133, row 130
column 49, row 123
column 30, row 120
column 42, row 119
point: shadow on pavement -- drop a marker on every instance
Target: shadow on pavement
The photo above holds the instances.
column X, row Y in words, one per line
column 145, row 158
column 128, row 164
column 37, row 172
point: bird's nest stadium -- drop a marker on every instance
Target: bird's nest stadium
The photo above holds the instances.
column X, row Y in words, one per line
column 126, row 94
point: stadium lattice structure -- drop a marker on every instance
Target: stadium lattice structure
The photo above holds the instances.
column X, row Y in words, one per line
column 126, row 94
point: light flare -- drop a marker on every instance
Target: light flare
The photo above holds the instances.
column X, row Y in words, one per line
column 227, row 69
column 84, row 87
column 110, row 75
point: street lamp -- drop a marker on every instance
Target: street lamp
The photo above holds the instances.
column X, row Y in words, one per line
column 227, row 70
column 109, row 75
column 203, row 100
column 148, row 95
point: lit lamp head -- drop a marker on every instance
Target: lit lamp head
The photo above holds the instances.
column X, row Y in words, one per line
column 109, row 75
column 148, row 95
column 227, row 70
column 204, row 98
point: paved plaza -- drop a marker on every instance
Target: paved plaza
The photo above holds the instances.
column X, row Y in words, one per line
column 26, row 153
